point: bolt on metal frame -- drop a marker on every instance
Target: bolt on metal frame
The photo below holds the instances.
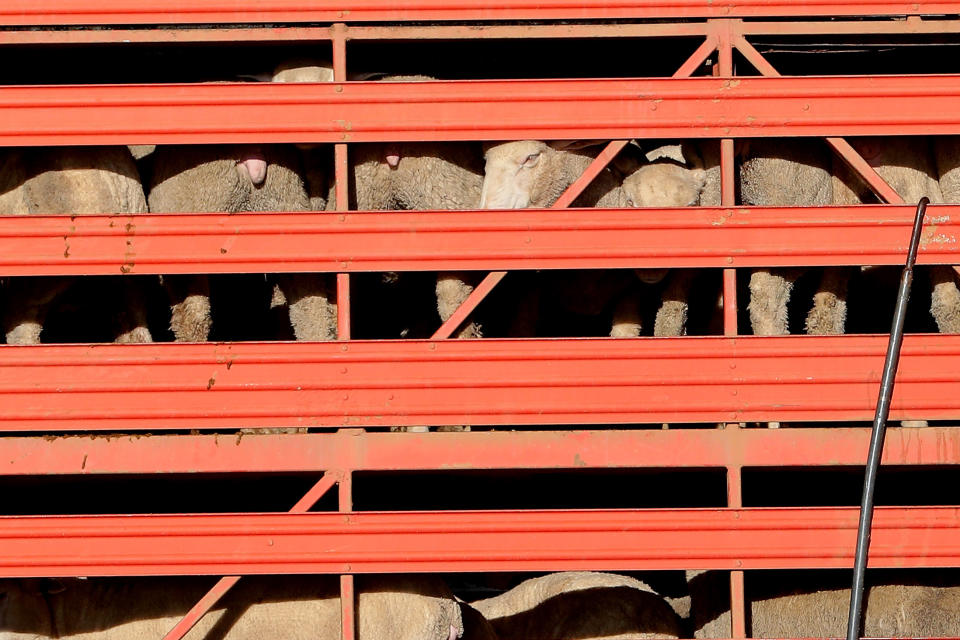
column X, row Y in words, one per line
column 722, row 35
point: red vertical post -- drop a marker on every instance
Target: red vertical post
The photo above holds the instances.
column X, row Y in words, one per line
column 341, row 174
column 728, row 197
column 738, row 605
column 348, row 619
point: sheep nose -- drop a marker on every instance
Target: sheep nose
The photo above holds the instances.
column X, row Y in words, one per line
column 254, row 166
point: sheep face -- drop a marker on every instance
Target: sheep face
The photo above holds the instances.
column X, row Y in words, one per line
column 517, row 175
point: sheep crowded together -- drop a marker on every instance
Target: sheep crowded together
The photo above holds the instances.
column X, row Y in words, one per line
column 462, row 175
column 555, row 606
column 514, row 174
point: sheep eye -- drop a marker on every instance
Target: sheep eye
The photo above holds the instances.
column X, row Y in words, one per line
column 629, row 202
column 532, row 159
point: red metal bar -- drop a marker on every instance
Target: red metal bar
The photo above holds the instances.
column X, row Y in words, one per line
column 341, row 180
column 241, row 544
column 730, row 302
column 471, row 240
column 467, row 306
column 728, row 198
column 479, row 382
column 480, row 110
column 343, row 306
column 65, row 12
column 738, row 600
column 396, row 31
column 348, row 602
column 603, row 449
column 348, row 617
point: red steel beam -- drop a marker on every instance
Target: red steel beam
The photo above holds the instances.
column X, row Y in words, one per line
column 477, row 382
column 381, row 451
column 472, row 240
column 80, row 12
column 480, row 110
column 469, row 32
column 240, row 544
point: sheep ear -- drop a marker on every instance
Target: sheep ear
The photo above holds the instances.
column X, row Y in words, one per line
column 667, row 152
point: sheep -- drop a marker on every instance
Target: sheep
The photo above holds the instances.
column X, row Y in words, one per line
column 81, row 180
column 532, row 173
column 290, row 607
column 423, row 176
column 945, row 298
column 791, row 606
column 404, row 176
column 798, row 174
column 580, row 606
column 674, row 176
column 234, row 179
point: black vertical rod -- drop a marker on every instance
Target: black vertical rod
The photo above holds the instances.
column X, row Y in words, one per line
column 880, row 429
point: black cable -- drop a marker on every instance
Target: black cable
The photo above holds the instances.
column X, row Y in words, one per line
column 880, row 429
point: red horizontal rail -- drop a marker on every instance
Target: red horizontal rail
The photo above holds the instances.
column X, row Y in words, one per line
column 425, row 241
column 478, row 382
column 357, row 450
column 56, row 12
column 473, row 541
column 470, row 32
column 480, row 110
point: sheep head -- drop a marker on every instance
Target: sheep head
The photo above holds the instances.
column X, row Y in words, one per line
column 529, row 173
column 664, row 184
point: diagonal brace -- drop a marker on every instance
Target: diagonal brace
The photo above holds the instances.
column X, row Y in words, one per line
column 225, row 584
column 847, row 153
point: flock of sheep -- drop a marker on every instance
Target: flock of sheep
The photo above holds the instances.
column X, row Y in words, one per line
column 413, row 176
column 557, row 606
column 505, row 175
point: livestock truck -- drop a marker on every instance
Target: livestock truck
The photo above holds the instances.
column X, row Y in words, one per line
column 706, row 455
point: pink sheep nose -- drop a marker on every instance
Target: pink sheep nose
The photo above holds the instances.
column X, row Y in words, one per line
column 254, row 166
column 392, row 155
